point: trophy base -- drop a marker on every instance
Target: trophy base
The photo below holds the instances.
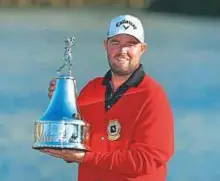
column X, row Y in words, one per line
column 59, row 148
column 69, row 134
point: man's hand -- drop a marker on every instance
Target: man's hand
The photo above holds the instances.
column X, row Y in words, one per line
column 52, row 86
column 67, row 155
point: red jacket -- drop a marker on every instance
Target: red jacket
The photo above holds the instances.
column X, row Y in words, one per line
column 145, row 139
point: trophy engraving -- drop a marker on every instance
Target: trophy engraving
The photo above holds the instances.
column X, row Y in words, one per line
column 61, row 126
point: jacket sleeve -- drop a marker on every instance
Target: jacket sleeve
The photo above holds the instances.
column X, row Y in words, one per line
column 152, row 144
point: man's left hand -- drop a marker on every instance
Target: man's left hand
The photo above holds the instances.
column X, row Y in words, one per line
column 68, row 155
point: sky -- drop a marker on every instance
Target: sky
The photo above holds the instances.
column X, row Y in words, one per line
column 183, row 56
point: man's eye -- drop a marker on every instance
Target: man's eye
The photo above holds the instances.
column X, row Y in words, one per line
column 114, row 43
column 131, row 44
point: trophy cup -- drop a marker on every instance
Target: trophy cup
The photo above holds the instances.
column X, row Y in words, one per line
column 61, row 126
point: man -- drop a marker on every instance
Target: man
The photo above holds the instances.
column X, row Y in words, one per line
column 132, row 129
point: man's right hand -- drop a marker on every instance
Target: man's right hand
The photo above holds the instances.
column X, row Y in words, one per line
column 51, row 88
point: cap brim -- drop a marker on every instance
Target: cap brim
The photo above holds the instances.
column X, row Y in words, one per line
column 121, row 33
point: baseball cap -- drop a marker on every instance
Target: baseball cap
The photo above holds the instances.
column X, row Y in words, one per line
column 126, row 24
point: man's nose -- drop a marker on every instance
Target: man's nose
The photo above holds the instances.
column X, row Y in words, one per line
column 123, row 49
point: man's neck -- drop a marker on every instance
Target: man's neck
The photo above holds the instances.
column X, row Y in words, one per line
column 118, row 80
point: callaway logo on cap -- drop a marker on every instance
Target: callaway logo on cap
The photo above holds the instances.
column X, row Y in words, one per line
column 126, row 24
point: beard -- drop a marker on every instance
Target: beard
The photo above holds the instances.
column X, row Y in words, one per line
column 122, row 70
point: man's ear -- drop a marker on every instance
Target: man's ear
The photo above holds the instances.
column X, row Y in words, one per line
column 144, row 47
column 105, row 43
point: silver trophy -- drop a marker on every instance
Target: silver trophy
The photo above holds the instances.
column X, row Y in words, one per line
column 61, row 126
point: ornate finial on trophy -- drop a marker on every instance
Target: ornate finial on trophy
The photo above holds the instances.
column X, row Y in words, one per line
column 67, row 57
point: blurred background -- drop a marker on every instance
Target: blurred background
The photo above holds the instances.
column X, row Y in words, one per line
column 184, row 56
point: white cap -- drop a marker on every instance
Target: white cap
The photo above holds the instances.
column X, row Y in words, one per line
column 126, row 24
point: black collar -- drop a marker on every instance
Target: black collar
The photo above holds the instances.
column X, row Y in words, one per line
column 133, row 81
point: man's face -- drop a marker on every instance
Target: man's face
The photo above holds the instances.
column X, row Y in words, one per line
column 124, row 52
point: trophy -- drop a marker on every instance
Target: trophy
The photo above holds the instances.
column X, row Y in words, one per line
column 61, row 126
